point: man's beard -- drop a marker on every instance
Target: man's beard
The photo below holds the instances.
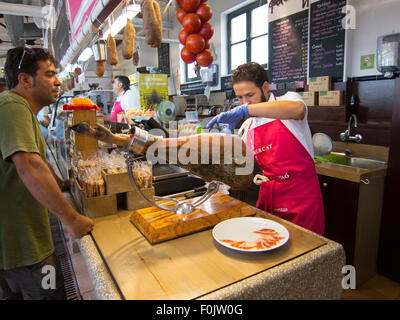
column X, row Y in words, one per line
column 45, row 100
column 263, row 98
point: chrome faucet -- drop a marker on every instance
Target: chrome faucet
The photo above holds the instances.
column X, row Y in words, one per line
column 346, row 136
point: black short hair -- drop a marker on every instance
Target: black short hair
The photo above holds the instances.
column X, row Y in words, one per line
column 126, row 83
column 251, row 71
column 29, row 63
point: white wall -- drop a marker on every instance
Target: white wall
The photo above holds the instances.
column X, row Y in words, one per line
column 373, row 19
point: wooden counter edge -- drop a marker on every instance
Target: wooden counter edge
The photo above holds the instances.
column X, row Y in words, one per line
column 334, row 171
column 375, row 173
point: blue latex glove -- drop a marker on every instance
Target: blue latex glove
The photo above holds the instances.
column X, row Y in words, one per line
column 231, row 117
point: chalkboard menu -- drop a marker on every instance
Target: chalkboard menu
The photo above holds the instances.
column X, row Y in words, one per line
column 163, row 59
column 327, row 38
column 288, row 48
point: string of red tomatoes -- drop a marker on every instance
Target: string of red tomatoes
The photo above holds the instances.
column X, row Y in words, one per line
column 194, row 15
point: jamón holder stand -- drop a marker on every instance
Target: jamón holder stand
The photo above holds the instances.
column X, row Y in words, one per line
column 135, row 146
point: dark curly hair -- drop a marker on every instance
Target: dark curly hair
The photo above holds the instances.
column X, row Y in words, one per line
column 126, row 83
column 16, row 63
column 251, row 71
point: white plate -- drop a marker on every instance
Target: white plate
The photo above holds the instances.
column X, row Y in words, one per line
column 243, row 229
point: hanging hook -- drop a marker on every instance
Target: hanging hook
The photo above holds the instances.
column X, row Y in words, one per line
column 365, row 181
column 167, row 6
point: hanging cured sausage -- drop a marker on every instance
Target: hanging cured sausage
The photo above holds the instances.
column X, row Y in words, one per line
column 128, row 42
column 112, row 56
column 152, row 23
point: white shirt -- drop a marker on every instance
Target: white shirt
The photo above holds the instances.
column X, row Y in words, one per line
column 130, row 99
column 299, row 128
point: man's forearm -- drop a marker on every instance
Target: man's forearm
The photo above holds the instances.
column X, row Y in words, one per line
column 284, row 110
column 38, row 179
column 55, row 176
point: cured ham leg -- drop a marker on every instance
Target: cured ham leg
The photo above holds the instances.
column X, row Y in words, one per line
column 210, row 156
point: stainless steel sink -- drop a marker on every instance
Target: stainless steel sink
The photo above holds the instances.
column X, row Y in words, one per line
column 365, row 163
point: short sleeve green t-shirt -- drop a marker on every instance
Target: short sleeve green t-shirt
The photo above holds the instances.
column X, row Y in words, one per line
column 25, row 234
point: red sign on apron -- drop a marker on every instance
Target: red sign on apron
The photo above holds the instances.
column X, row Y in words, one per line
column 293, row 192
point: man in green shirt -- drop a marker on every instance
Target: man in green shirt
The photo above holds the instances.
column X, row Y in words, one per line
column 28, row 185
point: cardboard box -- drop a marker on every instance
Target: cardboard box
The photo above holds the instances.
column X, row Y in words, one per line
column 117, row 182
column 331, row 98
column 310, row 98
column 94, row 207
column 320, row 84
column 135, row 201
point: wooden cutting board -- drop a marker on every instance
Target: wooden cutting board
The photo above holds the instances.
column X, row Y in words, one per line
column 159, row 225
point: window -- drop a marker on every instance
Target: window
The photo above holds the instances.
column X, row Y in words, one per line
column 248, row 35
column 191, row 72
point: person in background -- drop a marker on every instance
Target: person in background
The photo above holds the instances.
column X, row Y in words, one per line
column 44, row 121
column 277, row 132
column 60, row 132
column 127, row 99
column 28, row 185
column 99, row 103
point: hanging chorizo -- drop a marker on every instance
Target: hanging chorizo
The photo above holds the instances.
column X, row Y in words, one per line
column 100, row 68
column 112, row 56
column 128, row 42
column 152, row 23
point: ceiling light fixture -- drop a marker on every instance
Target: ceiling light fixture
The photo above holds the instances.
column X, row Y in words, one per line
column 128, row 12
column 85, row 55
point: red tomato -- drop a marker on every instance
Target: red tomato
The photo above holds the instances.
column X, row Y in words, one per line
column 207, row 46
column 204, row 12
column 179, row 3
column 182, row 36
column 180, row 14
column 191, row 23
column 206, row 30
column 195, row 43
column 202, row 1
column 187, row 56
column 205, row 58
column 190, row 5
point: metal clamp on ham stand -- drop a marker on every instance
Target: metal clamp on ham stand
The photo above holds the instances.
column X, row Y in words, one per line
column 137, row 145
